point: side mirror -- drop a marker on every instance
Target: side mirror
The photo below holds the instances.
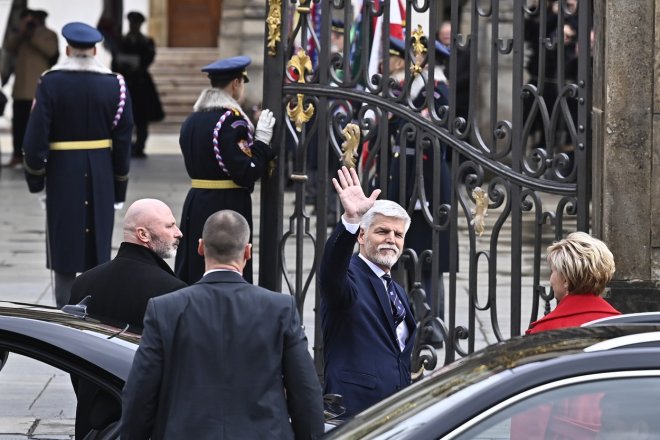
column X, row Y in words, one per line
column 80, row 309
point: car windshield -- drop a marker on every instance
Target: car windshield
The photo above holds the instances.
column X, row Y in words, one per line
column 480, row 368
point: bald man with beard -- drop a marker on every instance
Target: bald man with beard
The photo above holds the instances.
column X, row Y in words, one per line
column 120, row 288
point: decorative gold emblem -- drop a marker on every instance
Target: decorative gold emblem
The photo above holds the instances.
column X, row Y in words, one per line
column 300, row 113
column 274, row 21
column 480, row 211
column 349, row 147
column 418, row 49
column 245, row 147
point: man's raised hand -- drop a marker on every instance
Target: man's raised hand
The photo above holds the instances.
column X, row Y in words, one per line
column 353, row 199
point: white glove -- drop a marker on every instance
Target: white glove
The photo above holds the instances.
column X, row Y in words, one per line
column 264, row 131
column 118, row 206
column 41, row 197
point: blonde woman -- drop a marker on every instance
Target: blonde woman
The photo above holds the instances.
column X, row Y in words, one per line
column 581, row 268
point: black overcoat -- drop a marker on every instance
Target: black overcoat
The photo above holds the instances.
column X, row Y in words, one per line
column 81, row 184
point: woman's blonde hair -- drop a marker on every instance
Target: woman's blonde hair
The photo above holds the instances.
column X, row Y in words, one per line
column 583, row 261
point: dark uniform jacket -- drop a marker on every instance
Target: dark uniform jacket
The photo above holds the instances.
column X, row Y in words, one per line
column 121, row 288
column 236, row 158
column 79, row 101
column 222, row 359
column 419, row 236
column 363, row 361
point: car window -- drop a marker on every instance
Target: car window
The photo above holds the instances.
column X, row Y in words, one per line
column 600, row 409
column 35, row 399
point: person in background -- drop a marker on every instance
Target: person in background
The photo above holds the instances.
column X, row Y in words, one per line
column 120, row 288
column 77, row 153
column 581, row 267
column 135, row 53
column 222, row 358
column 224, row 156
column 368, row 327
column 35, row 48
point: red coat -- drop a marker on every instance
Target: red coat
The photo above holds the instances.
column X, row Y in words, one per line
column 577, row 418
column 573, row 311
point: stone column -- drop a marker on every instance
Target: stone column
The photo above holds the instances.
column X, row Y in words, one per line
column 626, row 148
column 242, row 33
column 158, row 22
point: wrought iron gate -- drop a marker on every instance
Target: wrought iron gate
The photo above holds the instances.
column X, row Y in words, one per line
column 514, row 142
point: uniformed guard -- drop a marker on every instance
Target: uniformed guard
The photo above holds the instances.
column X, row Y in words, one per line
column 224, row 157
column 76, row 156
column 420, row 234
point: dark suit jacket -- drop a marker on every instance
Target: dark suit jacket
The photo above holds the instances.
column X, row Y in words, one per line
column 214, row 362
column 363, row 361
column 121, row 287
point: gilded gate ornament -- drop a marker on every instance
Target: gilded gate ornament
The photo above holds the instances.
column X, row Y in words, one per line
column 418, row 48
column 300, row 113
column 480, row 211
column 349, row 147
column 274, row 22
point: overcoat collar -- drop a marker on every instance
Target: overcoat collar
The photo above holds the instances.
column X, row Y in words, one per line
column 81, row 64
column 214, row 99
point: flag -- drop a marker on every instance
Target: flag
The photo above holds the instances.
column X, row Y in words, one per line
column 397, row 26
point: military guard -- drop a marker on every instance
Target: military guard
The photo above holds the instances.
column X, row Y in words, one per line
column 224, row 156
column 420, row 234
column 77, row 155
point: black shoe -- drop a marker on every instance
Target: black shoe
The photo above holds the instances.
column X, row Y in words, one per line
column 138, row 155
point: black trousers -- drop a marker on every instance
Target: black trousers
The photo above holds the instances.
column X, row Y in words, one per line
column 21, row 108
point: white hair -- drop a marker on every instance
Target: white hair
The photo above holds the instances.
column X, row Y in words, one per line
column 386, row 208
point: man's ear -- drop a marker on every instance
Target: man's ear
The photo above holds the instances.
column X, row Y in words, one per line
column 247, row 252
column 360, row 237
column 142, row 234
column 200, row 247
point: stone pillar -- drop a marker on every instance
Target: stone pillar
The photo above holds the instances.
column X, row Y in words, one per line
column 242, row 30
column 626, row 148
column 158, row 22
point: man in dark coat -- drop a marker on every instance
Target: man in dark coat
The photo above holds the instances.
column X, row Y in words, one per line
column 224, row 157
column 222, row 358
column 368, row 327
column 77, row 152
column 135, row 53
column 120, row 288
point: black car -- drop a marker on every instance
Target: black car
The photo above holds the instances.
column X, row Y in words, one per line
column 52, row 347
column 599, row 382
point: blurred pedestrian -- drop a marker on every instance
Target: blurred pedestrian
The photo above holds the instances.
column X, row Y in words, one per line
column 222, row 358
column 224, row 157
column 35, row 48
column 135, row 53
column 77, row 152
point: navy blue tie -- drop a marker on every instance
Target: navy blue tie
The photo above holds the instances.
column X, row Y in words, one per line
column 398, row 311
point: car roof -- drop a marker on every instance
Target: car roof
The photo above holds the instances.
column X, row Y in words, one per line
column 109, row 348
column 570, row 346
column 628, row 318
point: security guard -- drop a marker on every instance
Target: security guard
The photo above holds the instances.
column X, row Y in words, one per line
column 76, row 156
column 224, row 157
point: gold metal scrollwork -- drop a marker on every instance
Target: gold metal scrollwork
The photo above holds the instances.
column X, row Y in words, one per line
column 418, row 48
column 274, row 21
column 349, row 147
column 480, row 211
column 301, row 113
